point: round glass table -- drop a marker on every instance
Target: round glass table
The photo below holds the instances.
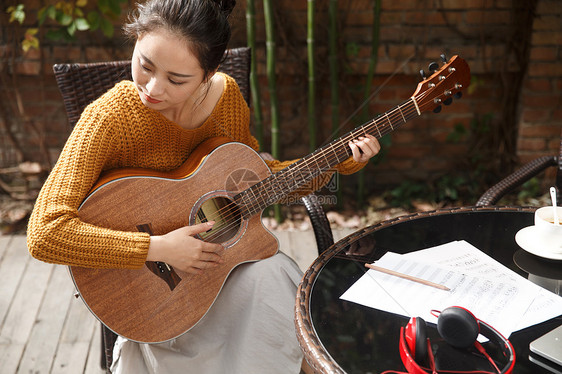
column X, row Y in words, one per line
column 338, row 336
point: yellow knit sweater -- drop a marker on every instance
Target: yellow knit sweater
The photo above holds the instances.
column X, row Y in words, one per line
column 118, row 131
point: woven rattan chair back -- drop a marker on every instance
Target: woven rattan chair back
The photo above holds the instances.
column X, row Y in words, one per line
column 80, row 84
column 522, row 175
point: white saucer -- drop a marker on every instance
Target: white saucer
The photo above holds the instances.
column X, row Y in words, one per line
column 530, row 241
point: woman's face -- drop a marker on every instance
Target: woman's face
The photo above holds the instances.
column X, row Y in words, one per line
column 165, row 71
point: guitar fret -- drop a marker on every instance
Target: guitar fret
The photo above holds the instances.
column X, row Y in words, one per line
column 389, row 122
column 401, row 113
column 378, row 129
column 416, row 105
column 336, row 154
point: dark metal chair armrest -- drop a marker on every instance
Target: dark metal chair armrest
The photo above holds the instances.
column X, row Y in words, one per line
column 108, row 339
column 318, row 218
column 319, row 221
column 517, row 178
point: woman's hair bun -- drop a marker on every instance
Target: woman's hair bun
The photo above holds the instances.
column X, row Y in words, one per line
column 226, row 5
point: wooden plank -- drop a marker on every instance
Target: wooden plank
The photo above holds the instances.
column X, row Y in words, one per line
column 22, row 312
column 94, row 355
column 342, row 233
column 14, row 259
column 304, row 248
column 43, row 341
column 10, row 354
column 25, row 305
column 301, row 245
column 4, row 243
column 74, row 345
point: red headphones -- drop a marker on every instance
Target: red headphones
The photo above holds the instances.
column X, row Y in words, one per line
column 459, row 328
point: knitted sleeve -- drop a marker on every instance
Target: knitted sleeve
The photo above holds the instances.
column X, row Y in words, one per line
column 55, row 234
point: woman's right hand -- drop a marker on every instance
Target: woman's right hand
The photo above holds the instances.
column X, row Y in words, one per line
column 181, row 250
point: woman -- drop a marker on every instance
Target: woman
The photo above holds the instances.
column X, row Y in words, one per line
column 175, row 101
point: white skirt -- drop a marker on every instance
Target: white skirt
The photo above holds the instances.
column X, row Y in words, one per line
column 249, row 329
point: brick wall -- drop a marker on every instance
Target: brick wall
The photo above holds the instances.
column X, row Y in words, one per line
column 540, row 124
column 412, row 34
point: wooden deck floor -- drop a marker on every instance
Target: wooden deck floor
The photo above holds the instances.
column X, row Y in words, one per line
column 45, row 329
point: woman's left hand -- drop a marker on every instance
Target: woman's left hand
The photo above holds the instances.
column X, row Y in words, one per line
column 364, row 147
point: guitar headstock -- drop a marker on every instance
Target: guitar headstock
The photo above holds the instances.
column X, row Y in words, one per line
column 444, row 84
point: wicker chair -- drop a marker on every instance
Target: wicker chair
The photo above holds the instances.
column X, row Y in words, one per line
column 523, row 174
column 80, row 84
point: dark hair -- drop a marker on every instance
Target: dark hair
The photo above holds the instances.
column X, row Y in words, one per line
column 204, row 23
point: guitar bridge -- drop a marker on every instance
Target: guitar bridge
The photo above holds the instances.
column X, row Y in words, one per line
column 161, row 269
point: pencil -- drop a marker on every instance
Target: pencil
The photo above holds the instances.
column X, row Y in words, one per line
column 408, row 277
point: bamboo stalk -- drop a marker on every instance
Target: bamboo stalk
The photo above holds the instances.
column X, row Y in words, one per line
column 334, row 88
column 311, row 77
column 254, row 81
column 375, row 33
column 270, row 57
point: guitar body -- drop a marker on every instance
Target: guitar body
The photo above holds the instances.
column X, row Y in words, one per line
column 139, row 304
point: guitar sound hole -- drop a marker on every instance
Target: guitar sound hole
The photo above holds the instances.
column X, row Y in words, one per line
column 226, row 215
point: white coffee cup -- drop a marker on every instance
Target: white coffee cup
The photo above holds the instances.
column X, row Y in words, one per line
column 550, row 234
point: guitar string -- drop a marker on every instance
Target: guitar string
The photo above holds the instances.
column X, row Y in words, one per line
column 289, row 174
column 338, row 147
column 300, row 172
column 232, row 210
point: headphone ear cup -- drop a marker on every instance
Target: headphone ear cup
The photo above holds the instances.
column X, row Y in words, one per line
column 416, row 339
column 458, row 327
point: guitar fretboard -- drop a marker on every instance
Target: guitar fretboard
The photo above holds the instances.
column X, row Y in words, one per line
column 272, row 189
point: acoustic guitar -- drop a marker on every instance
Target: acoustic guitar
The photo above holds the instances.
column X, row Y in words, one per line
column 226, row 182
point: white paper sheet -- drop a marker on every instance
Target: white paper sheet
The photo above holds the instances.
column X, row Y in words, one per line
column 492, row 292
column 463, row 255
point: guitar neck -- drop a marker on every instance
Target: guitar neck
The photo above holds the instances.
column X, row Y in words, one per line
column 277, row 186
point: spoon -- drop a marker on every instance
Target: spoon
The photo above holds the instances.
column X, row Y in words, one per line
column 553, row 198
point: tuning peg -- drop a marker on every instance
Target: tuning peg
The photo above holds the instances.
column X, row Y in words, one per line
column 433, row 67
column 422, row 73
column 437, row 109
column 457, row 95
column 448, row 101
column 443, row 58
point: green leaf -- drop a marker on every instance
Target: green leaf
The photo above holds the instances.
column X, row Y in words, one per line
column 103, row 6
column 55, row 34
column 63, row 19
column 17, row 13
column 52, row 12
column 106, row 27
column 42, row 14
column 82, row 24
column 31, row 32
column 29, row 43
column 71, row 29
column 114, row 6
column 93, row 18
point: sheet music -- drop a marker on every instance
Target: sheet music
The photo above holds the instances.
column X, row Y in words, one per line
column 463, row 255
column 488, row 289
